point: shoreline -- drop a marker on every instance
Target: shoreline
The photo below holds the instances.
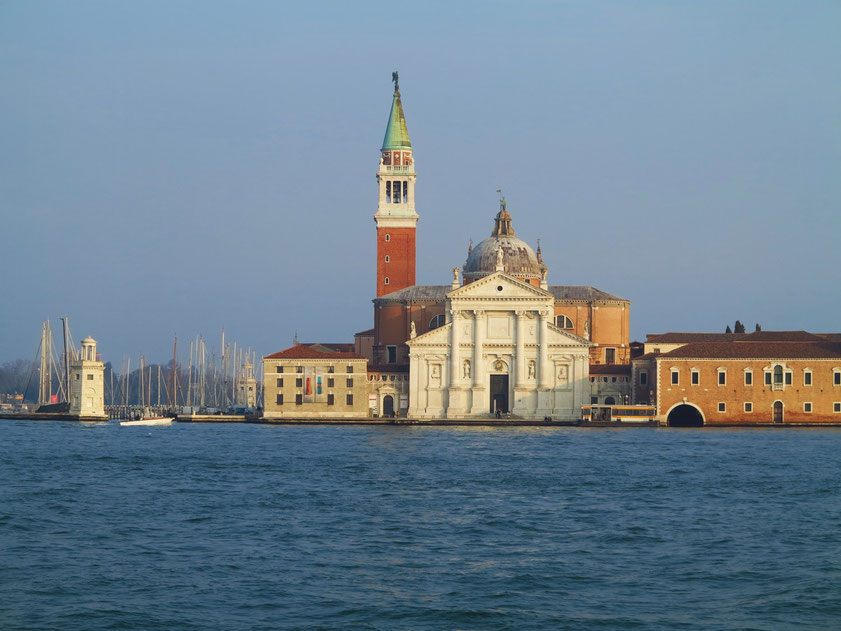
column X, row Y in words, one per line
column 409, row 422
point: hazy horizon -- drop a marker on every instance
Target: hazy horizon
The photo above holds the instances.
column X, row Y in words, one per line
column 179, row 167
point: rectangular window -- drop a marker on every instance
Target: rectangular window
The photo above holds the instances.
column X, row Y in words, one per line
column 594, row 400
column 299, row 382
column 695, row 377
column 405, row 192
column 299, row 399
column 77, row 376
column 350, row 370
column 748, row 406
column 388, row 192
column 280, row 368
column 722, row 378
column 396, row 192
column 330, row 399
column 331, row 370
column 280, row 383
column 722, row 406
column 788, row 378
column 748, row 377
column 675, row 377
column 836, row 407
column 350, row 383
column 767, row 378
column 280, row 398
column 610, row 356
column 349, row 399
column 392, row 355
column 807, row 378
column 643, row 378
column 299, row 369
column 836, row 378
column 90, row 377
column 807, row 406
column 329, row 382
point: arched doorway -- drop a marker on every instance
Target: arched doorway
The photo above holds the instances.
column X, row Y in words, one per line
column 778, row 411
column 609, row 401
column 388, row 406
column 685, row 415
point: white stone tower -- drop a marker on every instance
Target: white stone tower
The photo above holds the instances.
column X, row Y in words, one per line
column 87, row 383
column 247, row 387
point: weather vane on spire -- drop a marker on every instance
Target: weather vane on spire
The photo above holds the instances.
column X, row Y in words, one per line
column 396, row 85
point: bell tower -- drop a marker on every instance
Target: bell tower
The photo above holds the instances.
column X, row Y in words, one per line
column 396, row 218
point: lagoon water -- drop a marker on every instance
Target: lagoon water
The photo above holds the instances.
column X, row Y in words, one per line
column 363, row 527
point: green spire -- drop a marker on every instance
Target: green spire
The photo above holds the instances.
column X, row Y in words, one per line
column 396, row 133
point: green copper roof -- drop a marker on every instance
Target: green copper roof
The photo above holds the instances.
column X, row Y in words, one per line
column 396, row 134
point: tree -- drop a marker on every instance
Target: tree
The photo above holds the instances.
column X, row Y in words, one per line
column 739, row 327
column 728, row 330
column 758, row 328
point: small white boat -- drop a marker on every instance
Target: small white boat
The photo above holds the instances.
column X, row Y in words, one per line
column 150, row 420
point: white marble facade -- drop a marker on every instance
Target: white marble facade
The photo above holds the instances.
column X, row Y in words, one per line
column 498, row 350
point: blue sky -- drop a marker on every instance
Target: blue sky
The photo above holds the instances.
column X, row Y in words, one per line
column 179, row 167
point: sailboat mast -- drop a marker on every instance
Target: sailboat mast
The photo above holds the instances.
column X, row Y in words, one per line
column 66, row 334
column 175, row 372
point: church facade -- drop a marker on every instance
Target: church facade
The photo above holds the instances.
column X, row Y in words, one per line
column 499, row 353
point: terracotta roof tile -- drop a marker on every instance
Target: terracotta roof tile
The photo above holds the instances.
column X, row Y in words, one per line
column 780, row 336
column 314, row 351
column 756, row 350
column 686, row 338
column 365, row 333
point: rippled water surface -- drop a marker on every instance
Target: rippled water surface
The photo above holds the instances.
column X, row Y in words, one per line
column 357, row 527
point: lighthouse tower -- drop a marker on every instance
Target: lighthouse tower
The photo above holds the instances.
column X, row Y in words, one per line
column 87, row 383
column 396, row 218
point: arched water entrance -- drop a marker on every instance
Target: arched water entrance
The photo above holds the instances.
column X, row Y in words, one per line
column 778, row 411
column 388, row 406
column 685, row 415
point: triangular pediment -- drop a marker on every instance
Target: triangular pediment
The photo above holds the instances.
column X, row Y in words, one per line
column 560, row 336
column 441, row 335
column 488, row 288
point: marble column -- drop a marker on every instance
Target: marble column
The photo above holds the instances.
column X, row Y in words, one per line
column 454, row 376
column 479, row 404
column 544, row 369
column 455, row 402
column 520, row 351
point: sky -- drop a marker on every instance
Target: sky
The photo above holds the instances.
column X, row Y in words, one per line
column 178, row 167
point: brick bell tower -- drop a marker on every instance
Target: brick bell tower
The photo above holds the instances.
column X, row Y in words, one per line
column 396, row 218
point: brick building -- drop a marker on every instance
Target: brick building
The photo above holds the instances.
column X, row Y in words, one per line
column 762, row 378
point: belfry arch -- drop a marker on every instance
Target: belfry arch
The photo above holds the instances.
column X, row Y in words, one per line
column 685, row 415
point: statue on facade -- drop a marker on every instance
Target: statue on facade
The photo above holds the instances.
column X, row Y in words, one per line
column 396, row 84
column 587, row 329
column 531, row 369
column 499, row 255
column 466, row 370
column 413, row 332
column 455, row 275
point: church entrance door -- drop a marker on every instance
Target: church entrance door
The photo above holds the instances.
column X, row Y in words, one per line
column 499, row 394
column 388, row 406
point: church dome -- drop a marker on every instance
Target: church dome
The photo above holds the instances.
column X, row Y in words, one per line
column 518, row 259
